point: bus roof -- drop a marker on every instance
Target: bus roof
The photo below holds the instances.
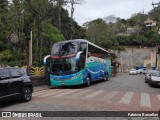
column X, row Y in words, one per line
column 83, row 40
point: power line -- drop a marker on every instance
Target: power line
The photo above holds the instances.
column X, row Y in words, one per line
column 156, row 5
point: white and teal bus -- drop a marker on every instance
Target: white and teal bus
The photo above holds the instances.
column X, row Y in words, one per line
column 76, row 62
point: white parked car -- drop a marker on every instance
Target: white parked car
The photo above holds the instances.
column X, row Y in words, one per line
column 133, row 72
column 141, row 71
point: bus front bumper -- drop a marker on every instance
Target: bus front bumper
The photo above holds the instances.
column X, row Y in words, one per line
column 66, row 82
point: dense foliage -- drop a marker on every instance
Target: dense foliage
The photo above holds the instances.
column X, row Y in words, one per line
column 114, row 35
column 19, row 17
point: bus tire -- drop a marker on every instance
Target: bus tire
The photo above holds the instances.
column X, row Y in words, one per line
column 105, row 78
column 88, row 83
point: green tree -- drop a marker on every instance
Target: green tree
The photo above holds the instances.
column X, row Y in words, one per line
column 50, row 36
column 3, row 24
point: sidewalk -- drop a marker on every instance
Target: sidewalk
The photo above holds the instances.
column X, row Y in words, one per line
column 40, row 88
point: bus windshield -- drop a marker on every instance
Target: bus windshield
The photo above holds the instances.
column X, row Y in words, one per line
column 64, row 66
column 67, row 48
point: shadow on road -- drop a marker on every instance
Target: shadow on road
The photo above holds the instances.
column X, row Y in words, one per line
column 77, row 86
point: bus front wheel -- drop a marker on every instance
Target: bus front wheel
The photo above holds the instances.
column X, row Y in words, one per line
column 88, row 81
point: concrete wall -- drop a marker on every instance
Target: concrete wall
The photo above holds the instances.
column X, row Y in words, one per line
column 38, row 80
column 147, row 62
column 132, row 57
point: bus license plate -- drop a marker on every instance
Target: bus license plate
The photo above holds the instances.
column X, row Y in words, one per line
column 62, row 83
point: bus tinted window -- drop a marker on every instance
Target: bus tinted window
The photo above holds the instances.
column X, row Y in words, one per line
column 65, row 48
column 64, row 66
column 96, row 52
column 56, row 48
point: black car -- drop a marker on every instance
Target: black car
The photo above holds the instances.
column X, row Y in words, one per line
column 14, row 83
column 147, row 75
column 154, row 79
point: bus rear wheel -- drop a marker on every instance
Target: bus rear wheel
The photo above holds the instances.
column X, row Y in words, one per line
column 105, row 78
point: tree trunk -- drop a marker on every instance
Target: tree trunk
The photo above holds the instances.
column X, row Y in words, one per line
column 41, row 48
column 38, row 38
column 59, row 14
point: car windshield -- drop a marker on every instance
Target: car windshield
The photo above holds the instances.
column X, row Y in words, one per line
column 141, row 69
column 67, row 48
column 157, row 74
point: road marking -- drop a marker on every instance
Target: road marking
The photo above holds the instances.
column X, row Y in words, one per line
column 94, row 94
column 60, row 91
column 110, row 95
column 67, row 92
column 83, row 91
column 126, row 98
column 158, row 97
column 43, row 92
column 145, row 100
column 39, row 91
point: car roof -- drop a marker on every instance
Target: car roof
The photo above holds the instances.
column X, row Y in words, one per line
column 9, row 68
column 155, row 71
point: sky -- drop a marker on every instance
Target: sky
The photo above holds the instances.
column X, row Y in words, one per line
column 93, row 9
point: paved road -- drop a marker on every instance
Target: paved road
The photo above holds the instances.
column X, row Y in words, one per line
column 125, row 82
column 121, row 93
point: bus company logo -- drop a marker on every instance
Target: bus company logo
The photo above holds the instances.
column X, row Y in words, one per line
column 59, row 77
column 6, row 114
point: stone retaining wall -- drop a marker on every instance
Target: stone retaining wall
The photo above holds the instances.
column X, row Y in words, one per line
column 38, row 80
column 132, row 57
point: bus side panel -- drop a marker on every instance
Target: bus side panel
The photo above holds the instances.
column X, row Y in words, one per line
column 67, row 80
column 94, row 69
column 103, row 68
column 109, row 68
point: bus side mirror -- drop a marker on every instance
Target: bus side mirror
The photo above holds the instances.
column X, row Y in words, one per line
column 78, row 55
column 45, row 59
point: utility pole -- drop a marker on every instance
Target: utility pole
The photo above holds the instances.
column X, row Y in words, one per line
column 30, row 55
column 155, row 5
column 60, row 2
column 72, row 11
column 72, row 2
column 30, row 50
